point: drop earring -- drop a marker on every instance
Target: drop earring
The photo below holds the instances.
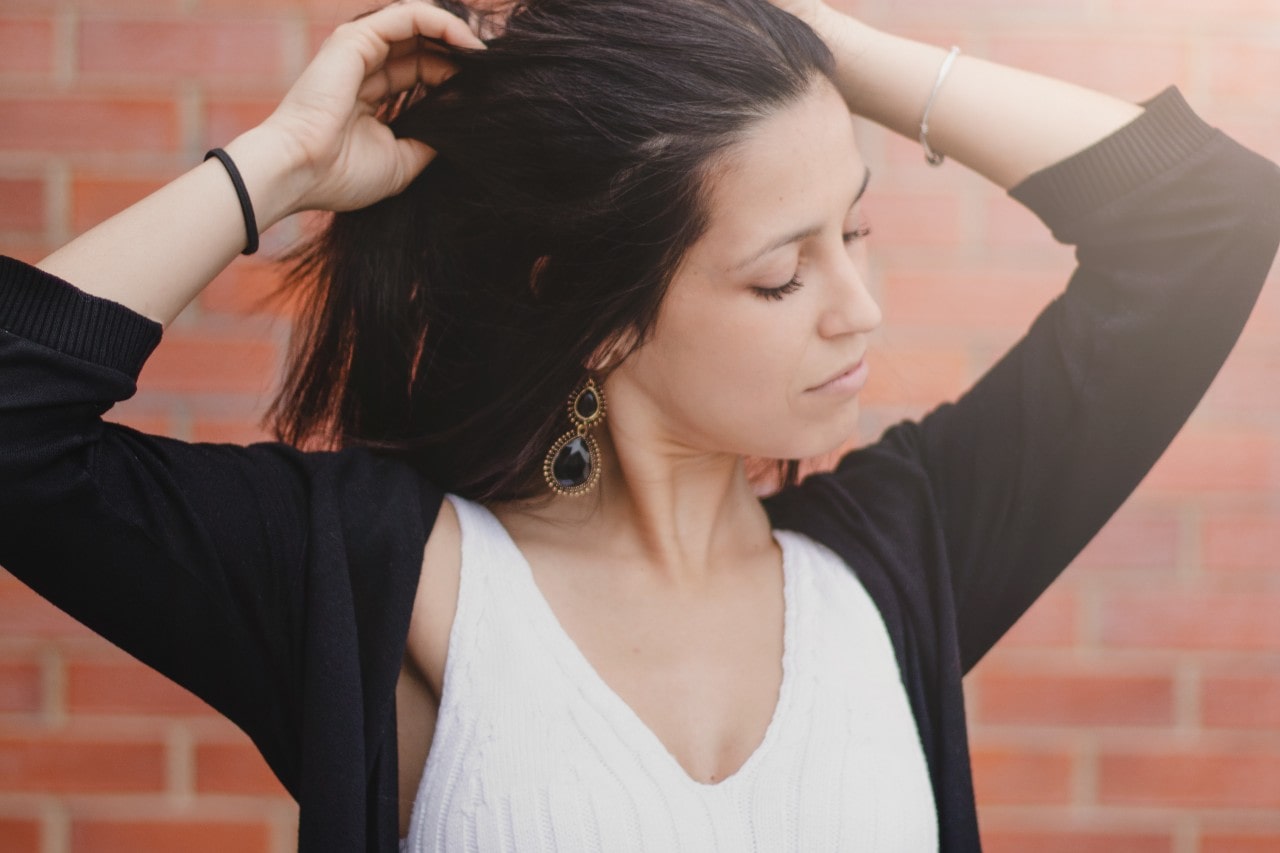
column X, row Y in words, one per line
column 572, row 465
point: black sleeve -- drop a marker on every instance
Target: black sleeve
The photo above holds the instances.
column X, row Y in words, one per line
column 187, row 556
column 1175, row 227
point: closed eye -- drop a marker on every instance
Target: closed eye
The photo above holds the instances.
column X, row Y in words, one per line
column 776, row 293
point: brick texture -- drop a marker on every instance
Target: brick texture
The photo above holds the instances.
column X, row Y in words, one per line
column 65, row 765
column 196, row 837
column 19, row 836
column 1135, row 707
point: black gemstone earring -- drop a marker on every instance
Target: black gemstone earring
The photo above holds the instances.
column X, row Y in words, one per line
column 572, row 465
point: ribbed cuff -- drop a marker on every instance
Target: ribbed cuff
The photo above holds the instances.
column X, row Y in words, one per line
column 1167, row 132
column 43, row 308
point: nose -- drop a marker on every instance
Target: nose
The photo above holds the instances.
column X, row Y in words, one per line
column 849, row 306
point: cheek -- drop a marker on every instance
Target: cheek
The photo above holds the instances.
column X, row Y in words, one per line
column 735, row 378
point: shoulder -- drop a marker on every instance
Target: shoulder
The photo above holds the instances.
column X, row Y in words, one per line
column 436, row 599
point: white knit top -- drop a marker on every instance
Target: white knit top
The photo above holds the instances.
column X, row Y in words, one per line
column 533, row 751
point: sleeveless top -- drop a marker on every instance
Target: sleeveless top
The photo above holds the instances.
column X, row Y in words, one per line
column 533, row 751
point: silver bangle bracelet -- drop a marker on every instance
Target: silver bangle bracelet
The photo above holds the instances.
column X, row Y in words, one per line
column 932, row 157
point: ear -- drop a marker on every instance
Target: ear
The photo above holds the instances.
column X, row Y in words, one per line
column 609, row 354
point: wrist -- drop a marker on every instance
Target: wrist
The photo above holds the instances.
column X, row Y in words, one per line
column 273, row 174
column 849, row 40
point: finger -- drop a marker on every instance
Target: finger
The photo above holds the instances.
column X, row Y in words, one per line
column 412, row 156
column 413, row 45
column 403, row 73
column 357, row 49
column 404, row 22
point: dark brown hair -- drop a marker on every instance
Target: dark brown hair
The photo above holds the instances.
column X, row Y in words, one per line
column 448, row 324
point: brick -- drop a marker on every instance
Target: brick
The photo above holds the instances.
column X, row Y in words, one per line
column 1244, row 384
column 1191, row 15
column 1235, row 66
column 1242, row 701
column 967, row 301
column 1240, row 842
column 126, row 687
column 337, row 10
column 228, row 430
column 1265, row 319
column 168, row 835
column 982, row 10
column 194, row 362
column 1218, row 460
column 96, row 198
column 21, row 205
column 63, row 764
column 156, row 423
column 84, row 123
column 153, row 413
column 246, row 288
column 28, row 252
column 1051, row 621
column 1012, row 224
column 1241, row 542
column 1134, row 539
column 1021, row 775
column 919, row 220
column 19, row 836
column 205, row 48
column 234, row 768
column 26, row 45
column 20, row 687
column 1192, row 619
column 1022, row 696
column 1046, row 841
column 905, row 163
column 1238, row 778
column 227, row 119
column 25, row 614
column 910, row 375
column 150, row 6
column 1126, row 64
column 318, row 32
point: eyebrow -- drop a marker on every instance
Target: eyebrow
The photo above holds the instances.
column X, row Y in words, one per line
column 803, row 233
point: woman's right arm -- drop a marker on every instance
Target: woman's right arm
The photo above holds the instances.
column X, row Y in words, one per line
column 322, row 149
column 197, row 558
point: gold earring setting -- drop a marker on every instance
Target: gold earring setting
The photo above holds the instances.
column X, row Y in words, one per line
column 572, row 465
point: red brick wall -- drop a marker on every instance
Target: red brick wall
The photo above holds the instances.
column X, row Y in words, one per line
column 1135, row 708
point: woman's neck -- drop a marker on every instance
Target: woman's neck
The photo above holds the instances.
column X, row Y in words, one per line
column 682, row 515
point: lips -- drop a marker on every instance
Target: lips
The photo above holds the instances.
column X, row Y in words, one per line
column 841, row 372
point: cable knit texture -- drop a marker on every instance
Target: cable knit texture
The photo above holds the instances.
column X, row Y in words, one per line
column 534, row 751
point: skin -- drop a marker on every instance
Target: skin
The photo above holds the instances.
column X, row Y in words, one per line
column 670, row 581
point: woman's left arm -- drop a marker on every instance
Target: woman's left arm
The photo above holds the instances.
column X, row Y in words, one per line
column 1175, row 227
column 1001, row 122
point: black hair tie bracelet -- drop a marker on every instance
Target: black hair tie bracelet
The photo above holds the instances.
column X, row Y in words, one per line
column 250, row 224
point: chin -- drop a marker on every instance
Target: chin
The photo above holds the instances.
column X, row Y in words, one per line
column 812, row 440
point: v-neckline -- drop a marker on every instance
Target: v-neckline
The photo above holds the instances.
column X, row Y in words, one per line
column 621, row 710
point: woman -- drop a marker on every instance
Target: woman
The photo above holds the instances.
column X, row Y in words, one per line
column 618, row 645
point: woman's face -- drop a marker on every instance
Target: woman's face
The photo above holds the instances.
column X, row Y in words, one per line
column 731, row 367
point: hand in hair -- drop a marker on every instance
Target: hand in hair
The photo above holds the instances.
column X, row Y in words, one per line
column 350, row 157
column 324, row 148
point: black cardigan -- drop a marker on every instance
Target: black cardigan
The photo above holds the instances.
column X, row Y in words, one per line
column 277, row 584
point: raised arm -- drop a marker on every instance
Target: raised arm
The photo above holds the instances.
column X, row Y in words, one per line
column 1175, row 227
column 1002, row 122
column 206, row 561
column 322, row 149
